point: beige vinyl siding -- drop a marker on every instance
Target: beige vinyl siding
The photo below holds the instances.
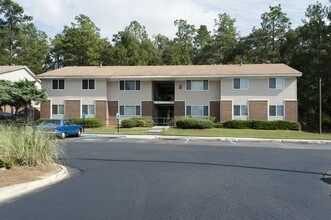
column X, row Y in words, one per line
column 197, row 97
column 259, row 90
column 130, row 97
column 73, row 90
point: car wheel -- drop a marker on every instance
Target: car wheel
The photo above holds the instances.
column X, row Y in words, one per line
column 63, row 135
column 79, row 133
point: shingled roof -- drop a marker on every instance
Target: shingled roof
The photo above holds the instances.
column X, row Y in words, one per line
column 171, row 71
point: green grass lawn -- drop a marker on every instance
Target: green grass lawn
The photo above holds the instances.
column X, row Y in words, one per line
column 113, row 130
column 246, row 133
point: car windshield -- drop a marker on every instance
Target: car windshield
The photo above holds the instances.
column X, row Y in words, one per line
column 52, row 122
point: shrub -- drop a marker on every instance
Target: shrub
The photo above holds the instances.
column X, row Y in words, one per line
column 211, row 118
column 136, row 122
column 6, row 164
column 263, row 125
column 88, row 122
column 25, row 146
column 193, row 123
column 238, row 124
column 218, row 125
column 128, row 123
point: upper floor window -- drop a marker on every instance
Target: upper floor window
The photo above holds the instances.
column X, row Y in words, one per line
column 129, row 85
column 88, row 84
column 276, row 83
column 57, row 109
column 240, row 110
column 276, row 110
column 88, row 109
column 58, row 84
column 197, row 110
column 197, row 85
column 240, row 83
column 130, row 110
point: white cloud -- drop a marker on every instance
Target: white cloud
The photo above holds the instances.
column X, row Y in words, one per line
column 156, row 15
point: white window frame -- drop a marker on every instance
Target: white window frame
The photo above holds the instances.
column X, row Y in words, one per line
column 135, row 85
column 198, row 116
column 202, row 83
column 58, row 109
column 276, row 79
column 276, row 111
column 88, row 109
column 88, row 84
column 240, row 84
column 241, row 111
column 58, row 84
column 135, row 110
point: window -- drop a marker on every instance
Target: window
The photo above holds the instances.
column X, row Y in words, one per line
column 276, row 110
column 276, row 83
column 88, row 109
column 58, row 84
column 88, row 84
column 129, row 110
column 240, row 110
column 197, row 110
column 130, row 85
column 197, row 85
column 240, row 83
column 57, row 109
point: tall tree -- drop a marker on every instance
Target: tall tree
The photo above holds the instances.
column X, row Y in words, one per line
column 133, row 47
column 311, row 55
column 185, row 36
column 225, row 39
column 79, row 44
column 202, row 46
column 20, row 41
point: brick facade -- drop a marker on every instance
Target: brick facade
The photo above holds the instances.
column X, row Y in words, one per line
column 179, row 110
column 112, row 110
column 258, row 110
column 291, row 110
column 226, row 110
column 45, row 109
column 72, row 109
column 215, row 110
column 147, row 109
column 101, row 107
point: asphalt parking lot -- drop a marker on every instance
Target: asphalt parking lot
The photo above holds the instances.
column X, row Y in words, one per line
column 184, row 179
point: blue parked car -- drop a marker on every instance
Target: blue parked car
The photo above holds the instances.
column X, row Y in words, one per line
column 61, row 128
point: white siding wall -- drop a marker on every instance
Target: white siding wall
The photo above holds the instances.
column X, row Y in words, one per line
column 17, row 75
column 259, row 90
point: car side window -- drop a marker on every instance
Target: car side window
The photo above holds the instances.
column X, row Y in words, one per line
column 66, row 122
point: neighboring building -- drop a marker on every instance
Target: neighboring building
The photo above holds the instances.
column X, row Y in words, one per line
column 16, row 73
column 252, row 91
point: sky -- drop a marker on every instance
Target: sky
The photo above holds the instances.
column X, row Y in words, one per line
column 157, row 16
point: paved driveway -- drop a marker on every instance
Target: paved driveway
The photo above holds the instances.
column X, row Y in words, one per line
column 166, row 179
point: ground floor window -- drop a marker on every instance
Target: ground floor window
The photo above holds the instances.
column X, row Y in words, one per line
column 58, row 109
column 88, row 109
column 130, row 110
column 276, row 110
column 197, row 110
column 240, row 110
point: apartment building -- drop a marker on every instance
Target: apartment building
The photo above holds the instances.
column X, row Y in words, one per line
column 226, row 92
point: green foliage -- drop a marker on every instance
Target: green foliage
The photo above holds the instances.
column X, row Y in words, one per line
column 211, row 118
column 25, row 146
column 193, row 123
column 20, row 41
column 136, row 122
column 8, row 164
column 128, row 123
column 20, row 94
column 262, row 125
column 218, row 125
column 88, row 122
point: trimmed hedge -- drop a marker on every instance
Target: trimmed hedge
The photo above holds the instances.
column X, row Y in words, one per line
column 218, row 125
column 88, row 122
column 193, row 123
column 263, row 125
column 137, row 122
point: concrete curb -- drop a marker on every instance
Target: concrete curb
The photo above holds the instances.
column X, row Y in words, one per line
column 14, row 191
column 150, row 137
